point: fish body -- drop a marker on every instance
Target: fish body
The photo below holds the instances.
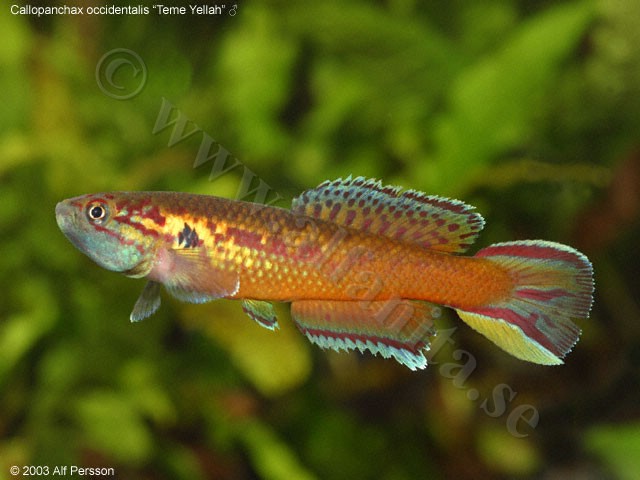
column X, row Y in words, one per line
column 364, row 265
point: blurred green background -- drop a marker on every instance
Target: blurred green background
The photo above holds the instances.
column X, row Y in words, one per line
column 529, row 110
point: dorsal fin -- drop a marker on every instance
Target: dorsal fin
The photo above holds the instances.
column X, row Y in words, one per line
column 410, row 216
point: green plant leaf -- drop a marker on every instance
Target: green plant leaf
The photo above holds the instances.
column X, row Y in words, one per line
column 618, row 446
column 111, row 423
column 494, row 101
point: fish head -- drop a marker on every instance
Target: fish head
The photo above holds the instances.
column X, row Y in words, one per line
column 100, row 226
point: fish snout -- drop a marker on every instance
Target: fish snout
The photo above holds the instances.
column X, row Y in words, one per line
column 65, row 216
column 62, row 210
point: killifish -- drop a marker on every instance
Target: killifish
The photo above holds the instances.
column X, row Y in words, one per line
column 365, row 266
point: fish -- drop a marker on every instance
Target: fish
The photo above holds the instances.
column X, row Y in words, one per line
column 365, row 266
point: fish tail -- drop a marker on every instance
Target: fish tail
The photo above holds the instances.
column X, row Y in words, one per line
column 552, row 283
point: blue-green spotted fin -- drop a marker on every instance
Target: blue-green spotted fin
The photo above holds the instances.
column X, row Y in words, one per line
column 408, row 216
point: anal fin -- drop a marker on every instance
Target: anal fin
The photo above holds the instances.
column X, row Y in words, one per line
column 261, row 312
column 393, row 328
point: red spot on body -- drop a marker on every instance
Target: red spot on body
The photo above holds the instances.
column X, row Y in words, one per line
column 155, row 216
column 276, row 246
column 307, row 252
column 133, row 205
column 245, row 238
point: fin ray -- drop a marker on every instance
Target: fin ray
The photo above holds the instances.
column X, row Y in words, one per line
column 261, row 312
column 410, row 216
column 148, row 302
column 553, row 283
column 396, row 328
column 190, row 275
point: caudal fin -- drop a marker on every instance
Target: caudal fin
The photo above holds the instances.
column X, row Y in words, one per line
column 553, row 283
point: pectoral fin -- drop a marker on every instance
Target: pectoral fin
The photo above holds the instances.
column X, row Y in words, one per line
column 192, row 276
column 394, row 328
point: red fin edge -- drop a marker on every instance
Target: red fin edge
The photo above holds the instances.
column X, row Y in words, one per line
column 553, row 283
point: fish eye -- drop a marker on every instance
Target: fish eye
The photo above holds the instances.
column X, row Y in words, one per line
column 96, row 212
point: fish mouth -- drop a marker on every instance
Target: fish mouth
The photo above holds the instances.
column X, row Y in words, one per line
column 66, row 220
